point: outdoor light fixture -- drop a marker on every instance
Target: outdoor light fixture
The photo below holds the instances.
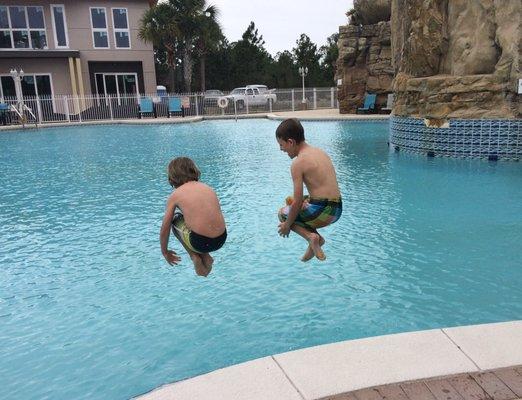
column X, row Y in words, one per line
column 17, row 77
column 303, row 71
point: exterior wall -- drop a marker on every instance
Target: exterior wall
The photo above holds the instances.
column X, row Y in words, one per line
column 58, row 68
column 80, row 38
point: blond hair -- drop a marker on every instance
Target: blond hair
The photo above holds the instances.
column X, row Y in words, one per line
column 182, row 170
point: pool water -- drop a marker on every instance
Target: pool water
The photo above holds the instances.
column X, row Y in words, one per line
column 89, row 309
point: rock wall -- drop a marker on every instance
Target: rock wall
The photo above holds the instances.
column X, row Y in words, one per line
column 456, row 59
column 364, row 64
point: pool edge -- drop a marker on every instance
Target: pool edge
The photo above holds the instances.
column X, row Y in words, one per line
column 188, row 120
column 331, row 369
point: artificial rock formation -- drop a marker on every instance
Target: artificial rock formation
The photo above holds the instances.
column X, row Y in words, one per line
column 456, row 59
column 364, row 64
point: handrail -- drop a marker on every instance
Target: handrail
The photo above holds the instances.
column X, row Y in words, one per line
column 25, row 108
column 20, row 113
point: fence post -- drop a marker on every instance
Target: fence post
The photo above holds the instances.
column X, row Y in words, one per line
column 66, row 108
column 110, row 107
column 79, row 109
column 293, row 100
column 315, row 99
column 197, row 106
column 246, row 102
column 332, row 103
column 39, row 107
column 270, row 104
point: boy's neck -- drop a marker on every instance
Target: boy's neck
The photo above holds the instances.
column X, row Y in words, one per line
column 301, row 146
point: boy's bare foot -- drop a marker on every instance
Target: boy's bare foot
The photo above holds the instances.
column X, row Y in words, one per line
column 314, row 248
column 208, row 260
column 199, row 265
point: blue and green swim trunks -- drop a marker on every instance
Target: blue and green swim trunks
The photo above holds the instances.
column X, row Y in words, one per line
column 315, row 212
column 194, row 241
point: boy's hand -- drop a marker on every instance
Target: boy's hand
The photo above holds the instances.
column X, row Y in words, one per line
column 284, row 229
column 171, row 257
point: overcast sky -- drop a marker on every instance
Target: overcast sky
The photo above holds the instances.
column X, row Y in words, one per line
column 282, row 21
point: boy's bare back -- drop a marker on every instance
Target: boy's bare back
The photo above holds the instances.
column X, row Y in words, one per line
column 317, row 170
column 200, row 207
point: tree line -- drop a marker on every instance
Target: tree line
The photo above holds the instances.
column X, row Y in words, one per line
column 192, row 53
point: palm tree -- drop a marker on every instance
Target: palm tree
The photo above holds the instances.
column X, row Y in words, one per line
column 192, row 16
column 159, row 26
column 209, row 38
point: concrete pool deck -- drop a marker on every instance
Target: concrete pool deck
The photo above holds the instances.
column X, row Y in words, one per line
column 343, row 370
column 310, row 115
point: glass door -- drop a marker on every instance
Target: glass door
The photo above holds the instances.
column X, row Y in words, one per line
column 121, row 86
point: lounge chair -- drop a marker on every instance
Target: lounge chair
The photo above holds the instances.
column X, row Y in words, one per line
column 175, row 106
column 369, row 104
column 4, row 112
column 389, row 104
column 146, row 107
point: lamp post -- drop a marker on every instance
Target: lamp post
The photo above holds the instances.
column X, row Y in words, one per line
column 303, row 71
column 17, row 77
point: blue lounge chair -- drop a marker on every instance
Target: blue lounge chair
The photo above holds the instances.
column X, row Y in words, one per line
column 146, row 106
column 369, row 104
column 175, row 106
column 4, row 112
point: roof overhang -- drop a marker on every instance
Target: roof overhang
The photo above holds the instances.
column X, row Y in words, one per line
column 39, row 53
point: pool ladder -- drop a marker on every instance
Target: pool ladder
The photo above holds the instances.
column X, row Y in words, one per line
column 20, row 110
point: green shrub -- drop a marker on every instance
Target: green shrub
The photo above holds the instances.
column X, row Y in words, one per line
column 368, row 12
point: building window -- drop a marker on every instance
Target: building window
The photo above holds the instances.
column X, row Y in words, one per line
column 120, row 23
column 61, row 39
column 32, row 85
column 99, row 28
column 22, row 27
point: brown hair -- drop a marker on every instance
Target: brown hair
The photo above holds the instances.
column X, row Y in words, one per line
column 290, row 129
column 182, row 170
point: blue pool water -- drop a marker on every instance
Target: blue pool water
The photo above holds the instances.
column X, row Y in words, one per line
column 90, row 310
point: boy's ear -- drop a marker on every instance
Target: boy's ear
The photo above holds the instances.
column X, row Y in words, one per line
column 291, row 142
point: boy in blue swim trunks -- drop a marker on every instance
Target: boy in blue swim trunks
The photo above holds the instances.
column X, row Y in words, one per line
column 312, row 167
column 198, row 222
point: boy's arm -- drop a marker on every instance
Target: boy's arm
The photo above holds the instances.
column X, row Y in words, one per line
column 170, row 256
column 297, row 178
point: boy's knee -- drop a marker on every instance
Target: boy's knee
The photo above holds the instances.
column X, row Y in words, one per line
column 203, row 272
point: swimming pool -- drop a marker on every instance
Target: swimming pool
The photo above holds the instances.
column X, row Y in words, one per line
column 90, row 310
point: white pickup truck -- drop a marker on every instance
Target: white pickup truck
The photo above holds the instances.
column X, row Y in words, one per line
column 253, row 95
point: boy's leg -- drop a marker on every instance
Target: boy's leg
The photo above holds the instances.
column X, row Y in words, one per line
column 314, row 242
column 199, row 265
column 208, row 260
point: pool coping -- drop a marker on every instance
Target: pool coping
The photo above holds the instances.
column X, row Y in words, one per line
column 332, row 369
column 187, row 120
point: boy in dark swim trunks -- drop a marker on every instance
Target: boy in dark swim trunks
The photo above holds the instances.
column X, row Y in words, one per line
column 313, row 168
column 199, row 224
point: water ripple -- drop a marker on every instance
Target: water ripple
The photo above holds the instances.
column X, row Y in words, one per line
column 89, row 309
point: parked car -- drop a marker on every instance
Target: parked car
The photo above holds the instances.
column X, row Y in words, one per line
column 262, row 89
column 210, row 97
column 253, row 95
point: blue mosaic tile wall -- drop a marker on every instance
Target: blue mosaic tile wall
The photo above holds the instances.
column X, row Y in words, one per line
column 493, row 139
